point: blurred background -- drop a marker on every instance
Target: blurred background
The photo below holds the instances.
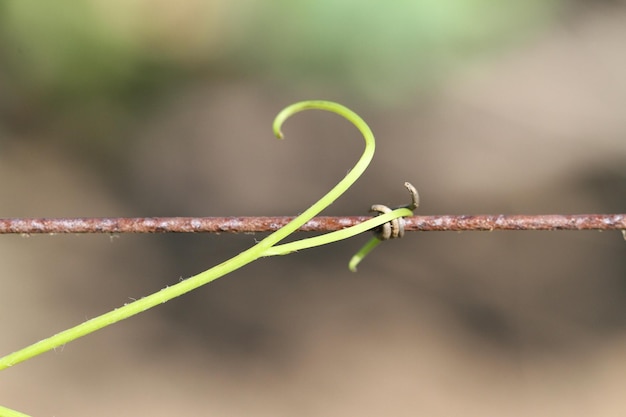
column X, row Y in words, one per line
column 153, row 108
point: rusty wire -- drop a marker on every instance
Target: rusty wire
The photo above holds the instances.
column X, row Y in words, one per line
column 116, row 225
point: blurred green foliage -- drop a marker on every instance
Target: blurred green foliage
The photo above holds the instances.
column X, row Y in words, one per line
column 384, row 49
column 64, row 47
column 98, row 57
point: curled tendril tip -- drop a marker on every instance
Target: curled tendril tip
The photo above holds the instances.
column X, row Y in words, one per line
column 266, row 247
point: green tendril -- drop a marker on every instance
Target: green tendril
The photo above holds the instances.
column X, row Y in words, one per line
column 338, row 235
column 362, row 253
column 266, row 247
column 7, row 412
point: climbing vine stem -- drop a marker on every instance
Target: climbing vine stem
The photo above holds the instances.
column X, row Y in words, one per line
column 266, row 247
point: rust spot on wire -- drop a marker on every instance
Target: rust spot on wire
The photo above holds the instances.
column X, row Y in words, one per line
column 317, row 224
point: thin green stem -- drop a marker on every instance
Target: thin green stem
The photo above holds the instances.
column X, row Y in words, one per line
column 362, row 253
column 260, row 249
column 7, row 412
column 345, row 183
column 131, row 309
column 338, row 235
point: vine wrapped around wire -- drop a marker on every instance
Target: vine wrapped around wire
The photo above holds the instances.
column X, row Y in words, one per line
column 266, row 247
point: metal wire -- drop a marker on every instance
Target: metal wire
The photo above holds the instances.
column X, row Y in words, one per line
column 268, row 224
